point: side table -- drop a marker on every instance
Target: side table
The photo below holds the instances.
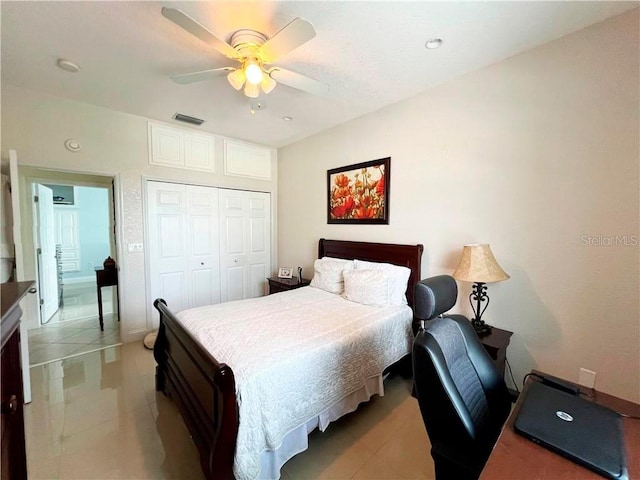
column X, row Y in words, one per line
column 283, row 284
column 496, row 343
column 106, row 277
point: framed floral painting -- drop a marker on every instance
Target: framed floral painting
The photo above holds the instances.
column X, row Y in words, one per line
column 359, row 193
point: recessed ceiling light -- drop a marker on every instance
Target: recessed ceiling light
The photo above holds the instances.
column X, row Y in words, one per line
column 434, row 42
column 287, row 119
column 68, row 66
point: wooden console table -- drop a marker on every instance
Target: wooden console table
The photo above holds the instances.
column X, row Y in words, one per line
column 106, row 277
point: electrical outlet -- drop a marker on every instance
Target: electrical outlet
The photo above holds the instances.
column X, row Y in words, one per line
column 134, row 247
column 587, row 378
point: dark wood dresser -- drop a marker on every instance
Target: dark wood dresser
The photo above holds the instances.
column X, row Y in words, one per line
column 13, row 457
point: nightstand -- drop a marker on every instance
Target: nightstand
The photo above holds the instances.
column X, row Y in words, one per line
column 283, row 284
column 496, row 343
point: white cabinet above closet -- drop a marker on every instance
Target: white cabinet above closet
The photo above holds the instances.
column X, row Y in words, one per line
column 246, row 160
column 179, row 148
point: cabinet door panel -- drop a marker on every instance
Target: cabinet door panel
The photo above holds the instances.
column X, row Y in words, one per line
column 199, row 152
column 166, row 146
column 245, row 160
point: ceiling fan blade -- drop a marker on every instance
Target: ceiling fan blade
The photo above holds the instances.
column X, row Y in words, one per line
column 199, row 76
column 194, row 28
column 294, row 34
column 300, row 82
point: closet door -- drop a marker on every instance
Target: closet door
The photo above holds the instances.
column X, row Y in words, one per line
column 166, row 211
column 245, row 243
column 202, row 241
column 184, row 266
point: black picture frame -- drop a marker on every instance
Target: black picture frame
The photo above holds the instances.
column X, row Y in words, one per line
column 350, row 200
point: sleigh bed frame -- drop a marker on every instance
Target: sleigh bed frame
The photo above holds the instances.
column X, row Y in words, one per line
column 204, row 389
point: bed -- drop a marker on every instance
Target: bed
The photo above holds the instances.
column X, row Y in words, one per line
column 206, row 390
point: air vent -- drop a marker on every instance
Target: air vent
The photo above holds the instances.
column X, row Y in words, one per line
column 187, row 119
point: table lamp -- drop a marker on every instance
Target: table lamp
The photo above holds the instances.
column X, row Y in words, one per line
column 478, row 265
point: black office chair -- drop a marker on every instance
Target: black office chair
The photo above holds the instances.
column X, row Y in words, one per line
column 463, row 400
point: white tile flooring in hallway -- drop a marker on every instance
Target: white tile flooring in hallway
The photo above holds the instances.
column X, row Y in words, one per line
column 97, row 416
column 75, row 328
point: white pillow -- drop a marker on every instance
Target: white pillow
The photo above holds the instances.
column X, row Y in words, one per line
column 369, row 287
column 399, row 277
column 327, row 274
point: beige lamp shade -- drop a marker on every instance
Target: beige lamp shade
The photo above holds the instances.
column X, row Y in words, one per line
column 478, row 264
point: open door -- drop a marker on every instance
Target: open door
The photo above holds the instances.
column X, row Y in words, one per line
column 46, row 251
column 27, row 302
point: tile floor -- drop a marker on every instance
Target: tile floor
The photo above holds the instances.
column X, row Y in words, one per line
column 97, row 415
column 75, row 328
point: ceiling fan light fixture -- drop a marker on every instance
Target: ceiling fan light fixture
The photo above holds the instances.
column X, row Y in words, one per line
column 251, row 90
column 253, row 72
column 268, row 84
column 237, row 78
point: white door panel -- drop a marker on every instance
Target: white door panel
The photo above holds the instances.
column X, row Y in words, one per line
column 167, row 256
column 235, row 283
column 206, row 244
column 258, row 272
column 172, row 288
column 46, row 244
column 257, row 235
column 245, row 251
column 170, row 232
column 202, row 288
column 202, row 251
column 183, row 245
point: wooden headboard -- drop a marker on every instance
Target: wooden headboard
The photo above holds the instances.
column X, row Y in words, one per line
column 405, row 255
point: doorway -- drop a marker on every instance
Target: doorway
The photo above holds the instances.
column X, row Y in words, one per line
column 73, row 236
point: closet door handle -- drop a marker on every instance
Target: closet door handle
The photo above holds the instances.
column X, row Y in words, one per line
column 33, row 290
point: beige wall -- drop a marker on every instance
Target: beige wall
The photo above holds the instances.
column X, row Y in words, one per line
column 113, row 144
column 529, row 155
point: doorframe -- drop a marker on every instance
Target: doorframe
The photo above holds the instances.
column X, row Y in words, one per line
column 115, row 212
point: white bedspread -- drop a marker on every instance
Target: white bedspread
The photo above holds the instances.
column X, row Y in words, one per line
column 294, row 354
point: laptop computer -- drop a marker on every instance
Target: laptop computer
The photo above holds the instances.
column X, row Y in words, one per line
column 580, row 430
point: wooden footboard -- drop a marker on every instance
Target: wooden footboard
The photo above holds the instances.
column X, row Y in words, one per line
column 204, row 391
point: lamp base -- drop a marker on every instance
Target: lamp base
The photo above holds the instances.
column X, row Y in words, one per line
column 481, row 328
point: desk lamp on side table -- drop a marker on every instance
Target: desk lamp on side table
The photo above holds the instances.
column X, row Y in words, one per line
column 478, row 265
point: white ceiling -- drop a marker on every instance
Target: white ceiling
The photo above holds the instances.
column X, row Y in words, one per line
column 371, row 54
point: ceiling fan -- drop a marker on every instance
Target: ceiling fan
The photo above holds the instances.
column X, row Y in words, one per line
column 255, row 52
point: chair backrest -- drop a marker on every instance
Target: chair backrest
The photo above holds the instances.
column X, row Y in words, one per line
column 463, row 399
column 434, row 296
